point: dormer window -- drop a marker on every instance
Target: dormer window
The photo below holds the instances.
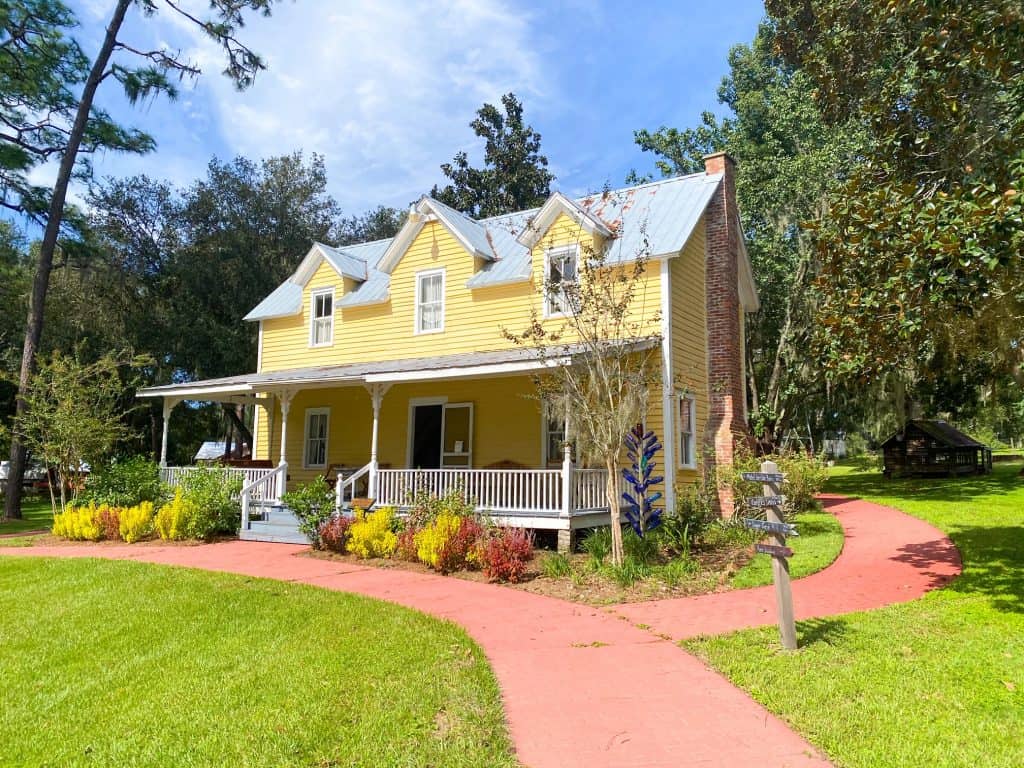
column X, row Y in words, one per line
column 430, row 301
column 561, row 275
column 321, row 325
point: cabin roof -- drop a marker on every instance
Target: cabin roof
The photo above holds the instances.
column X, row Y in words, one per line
column 939, row 430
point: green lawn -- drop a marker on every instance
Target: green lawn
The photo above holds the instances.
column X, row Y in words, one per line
column 936, row 682
column 818, row 545
column 36, row 515
column 120, row 663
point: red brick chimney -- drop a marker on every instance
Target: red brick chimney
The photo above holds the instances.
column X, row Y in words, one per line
column 726, row 425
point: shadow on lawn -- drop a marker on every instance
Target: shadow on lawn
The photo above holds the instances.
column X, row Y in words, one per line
column 825, row 631
column 995, row 565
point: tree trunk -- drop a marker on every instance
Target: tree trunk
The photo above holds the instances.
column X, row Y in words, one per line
column 612, row 496
column 48, row 246
column 243, row 432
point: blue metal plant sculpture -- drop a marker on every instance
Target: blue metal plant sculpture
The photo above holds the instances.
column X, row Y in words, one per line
column 640, row 448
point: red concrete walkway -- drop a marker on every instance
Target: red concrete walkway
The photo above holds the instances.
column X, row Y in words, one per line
column 584, row 687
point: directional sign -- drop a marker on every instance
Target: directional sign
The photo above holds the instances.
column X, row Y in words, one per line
column 763, row 477
column 786, row 529
column 773, row 550
column 766, row 501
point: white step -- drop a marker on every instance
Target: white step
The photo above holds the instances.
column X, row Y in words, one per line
column 278, row 534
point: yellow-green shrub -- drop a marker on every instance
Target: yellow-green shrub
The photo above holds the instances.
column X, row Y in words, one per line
column 433, row 538
column 176, row 519
column 78, row 524
column 137, row 521
column 371, row 535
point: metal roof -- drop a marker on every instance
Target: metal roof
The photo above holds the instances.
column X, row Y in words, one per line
column 940, row 430
column 654, row 219
column 344, row 262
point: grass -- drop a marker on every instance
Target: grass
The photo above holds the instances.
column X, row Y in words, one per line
column 936, row 682
column 818, row 545
column 36, row 515
column 120, row 663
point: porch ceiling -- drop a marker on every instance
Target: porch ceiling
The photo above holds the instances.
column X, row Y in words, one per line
column 468, row 364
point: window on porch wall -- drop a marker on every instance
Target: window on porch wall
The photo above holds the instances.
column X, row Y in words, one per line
column 317, row 423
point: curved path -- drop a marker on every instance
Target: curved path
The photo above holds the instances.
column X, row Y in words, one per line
column 584, row 686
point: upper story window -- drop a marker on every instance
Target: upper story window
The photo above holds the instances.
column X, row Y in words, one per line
column 430, row 301
column 687, row 431
column 560, row 275
column 321, row 323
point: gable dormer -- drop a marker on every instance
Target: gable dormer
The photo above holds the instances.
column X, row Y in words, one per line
column 559, row 205
column 469, row 233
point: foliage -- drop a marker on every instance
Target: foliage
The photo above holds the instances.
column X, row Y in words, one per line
column 73, row 415
column 642, row 549
column 125, row 483
column 313, row 505
column 108, row 518
column 216, row 496
column 805, row 477
column 371, row 534
column 515, row 175
column 136, row 522
column 504, row 552
column 920, row 248
column 684, row 527
column 597, row 544
column 178, row 519
column 640, row 450
column 630, row 571
column 78, row 523
column 555, row 565
column 68, row 624
column 435, row 538
column 333, row 533
column 608, row 337
column 818, row 545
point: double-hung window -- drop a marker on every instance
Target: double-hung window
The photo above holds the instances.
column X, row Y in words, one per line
column 321, row 326
column 430, row 301
column 687, row 431
column 561, row 277
column 315, row 440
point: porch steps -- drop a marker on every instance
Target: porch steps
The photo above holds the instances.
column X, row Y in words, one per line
column 278, row 525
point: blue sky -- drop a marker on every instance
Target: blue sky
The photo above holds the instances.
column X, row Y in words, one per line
column 385, row 89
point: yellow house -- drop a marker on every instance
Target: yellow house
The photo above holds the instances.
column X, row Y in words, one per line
column 385, row 366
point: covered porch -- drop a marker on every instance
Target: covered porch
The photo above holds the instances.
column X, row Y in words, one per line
column 391, row 431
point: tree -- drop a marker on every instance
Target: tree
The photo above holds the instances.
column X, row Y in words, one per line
column 788, row 162
column 515, row 175
column 602, row 360
column 49, row 113
column 73, row 417
column 920, row 248
column 378, row 224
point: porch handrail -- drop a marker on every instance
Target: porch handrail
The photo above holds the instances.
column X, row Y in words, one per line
column 506, row 490
column 348, row 482
column 267, row 487
column 174, row 475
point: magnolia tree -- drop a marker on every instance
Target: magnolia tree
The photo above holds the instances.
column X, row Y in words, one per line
column 601, row 355
column 74, row 418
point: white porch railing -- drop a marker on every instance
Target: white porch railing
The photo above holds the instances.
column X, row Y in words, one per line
column 266, row 488
column 345, row 486
column 173, row 475
column 589, row 487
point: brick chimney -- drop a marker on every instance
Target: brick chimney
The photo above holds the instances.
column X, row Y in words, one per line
column 726, row 424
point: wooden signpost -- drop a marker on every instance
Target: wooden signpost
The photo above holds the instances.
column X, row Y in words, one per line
column 777, row 529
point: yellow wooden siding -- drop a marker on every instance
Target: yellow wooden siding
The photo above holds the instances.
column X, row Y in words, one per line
column 689, row 335
column 473, row 319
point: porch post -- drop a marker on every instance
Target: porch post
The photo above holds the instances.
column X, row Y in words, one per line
column 567, row 484
column 169, row 403
column 376, row 398
column 286, row 404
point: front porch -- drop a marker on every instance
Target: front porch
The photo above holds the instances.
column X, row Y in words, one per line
column 392, row 436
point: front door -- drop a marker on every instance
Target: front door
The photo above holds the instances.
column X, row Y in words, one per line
column 427, row 423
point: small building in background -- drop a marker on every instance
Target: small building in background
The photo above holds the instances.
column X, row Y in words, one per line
column 934, row 447
column 211, row 450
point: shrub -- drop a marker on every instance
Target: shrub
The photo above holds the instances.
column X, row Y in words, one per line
column 333, row 534
column 215, row 495
column 78, row 524
column 433, row 537
column 686, row 526
column 371, row 534
column 109, row 520
column 805, row 477
column 555, row 565
column 313, row 505
column 504, row 553
column 598, row 544
column 405, row 546
column 641, row 549
column 177, row 519
column 460, row 552
column 125, row 483
column 136, row 522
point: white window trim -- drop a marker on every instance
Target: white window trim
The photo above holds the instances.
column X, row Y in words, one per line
column 548, row 254
column 305, row 438
column 313, row 295
column 692, row 401
column 545, row 417
column 417, row 331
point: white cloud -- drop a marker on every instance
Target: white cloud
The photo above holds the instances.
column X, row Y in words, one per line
column 384, row 90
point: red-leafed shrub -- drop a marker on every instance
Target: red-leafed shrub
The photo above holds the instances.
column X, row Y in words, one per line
column 459, row 552
column 406, row 548
column 109, row 521
column 504, row 554
column 334, row 533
